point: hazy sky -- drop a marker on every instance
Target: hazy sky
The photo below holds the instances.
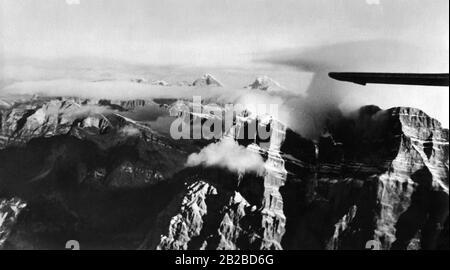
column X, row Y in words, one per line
column 210, row 31
column 289, row 40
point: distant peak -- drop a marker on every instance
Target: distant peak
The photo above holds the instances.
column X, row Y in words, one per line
column 207, row 80
column 160, row 82
column 265, row 83
column 139, row 80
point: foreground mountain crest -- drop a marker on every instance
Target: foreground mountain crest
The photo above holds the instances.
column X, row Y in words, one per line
column 381, row 175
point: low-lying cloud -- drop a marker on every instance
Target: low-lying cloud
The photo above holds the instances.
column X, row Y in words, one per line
column 129, row 131
column 228, row 154
column 127, row 90
column 306, row 112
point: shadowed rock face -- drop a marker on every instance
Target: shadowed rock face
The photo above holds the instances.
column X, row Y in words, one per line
column 370, row 176
column 69, row 171
column 364, row 181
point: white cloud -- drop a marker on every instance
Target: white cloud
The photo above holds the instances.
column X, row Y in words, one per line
column 73, row 2
column 228, row 154
column 373, row 2
column 129, row 131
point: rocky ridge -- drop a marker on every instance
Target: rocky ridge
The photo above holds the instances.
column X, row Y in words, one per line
column 381, row 175
column 340, row 193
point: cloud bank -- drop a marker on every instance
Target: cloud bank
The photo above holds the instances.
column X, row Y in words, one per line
column 306, row 108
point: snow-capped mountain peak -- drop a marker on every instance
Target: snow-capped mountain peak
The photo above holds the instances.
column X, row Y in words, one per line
column 265, row 83
column 207, row 80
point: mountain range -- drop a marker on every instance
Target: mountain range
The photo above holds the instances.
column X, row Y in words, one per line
column 74, row 168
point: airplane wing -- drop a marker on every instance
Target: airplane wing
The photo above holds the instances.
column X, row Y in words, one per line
column 363, row 78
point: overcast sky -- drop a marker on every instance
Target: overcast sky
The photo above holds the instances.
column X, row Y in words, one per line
column 211, row 31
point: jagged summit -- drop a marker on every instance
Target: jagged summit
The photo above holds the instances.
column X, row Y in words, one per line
column 265, row 83
column 50, row 117
column 207, row 80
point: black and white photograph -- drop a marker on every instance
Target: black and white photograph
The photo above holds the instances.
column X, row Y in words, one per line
column 257, row 126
